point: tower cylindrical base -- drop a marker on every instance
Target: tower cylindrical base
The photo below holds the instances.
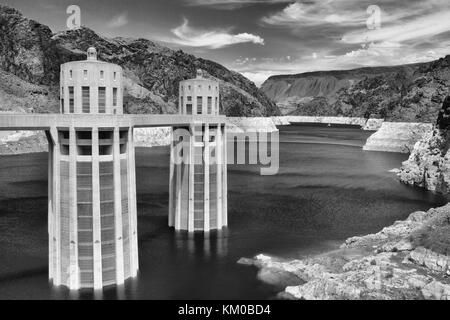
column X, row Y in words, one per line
column 92, row 206
column 198, row 183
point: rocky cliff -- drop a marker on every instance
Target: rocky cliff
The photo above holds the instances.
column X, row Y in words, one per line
column 409, row 93
column 30, row 52
column 407, row 260
column 397, row 136
column 429, row 163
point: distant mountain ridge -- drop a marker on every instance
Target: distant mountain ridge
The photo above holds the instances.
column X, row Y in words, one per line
column 412, row 92
column 340, row 74
column 31, row 52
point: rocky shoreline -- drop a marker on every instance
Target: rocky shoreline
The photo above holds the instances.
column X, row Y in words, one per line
column 21, row 142
column 407, row 260
column 428, row 166
column 397, row 136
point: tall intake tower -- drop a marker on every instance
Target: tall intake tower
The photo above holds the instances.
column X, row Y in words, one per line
column 198, row 169
column 92, row 202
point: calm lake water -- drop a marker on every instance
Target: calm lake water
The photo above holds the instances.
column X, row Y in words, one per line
column 327, row 189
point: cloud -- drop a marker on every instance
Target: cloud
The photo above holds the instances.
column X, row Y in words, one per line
column 299, row 14
column 118, row 21
column 334, row 34
column 232, row 4
column 386, row 53
column 351, row 13
column 214, row 39
column 418, row 28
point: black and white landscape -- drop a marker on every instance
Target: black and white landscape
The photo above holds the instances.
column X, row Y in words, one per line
column 358, row 93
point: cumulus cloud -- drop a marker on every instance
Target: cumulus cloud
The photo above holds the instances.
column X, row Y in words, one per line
column 118, row 21
column 213, row 39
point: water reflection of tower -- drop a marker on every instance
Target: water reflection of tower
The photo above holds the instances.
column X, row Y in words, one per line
column 198, row 185
column 208, row 245
column 92, row 208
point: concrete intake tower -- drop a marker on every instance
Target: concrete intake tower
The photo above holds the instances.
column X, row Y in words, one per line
column 92, row 213
column 198, row 183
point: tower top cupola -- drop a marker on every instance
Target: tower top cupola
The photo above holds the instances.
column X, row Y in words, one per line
column 92, row 53
column 199, row 95
column 91, row 86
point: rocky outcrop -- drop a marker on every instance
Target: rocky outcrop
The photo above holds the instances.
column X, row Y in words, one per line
column 30, row 51
column 408, row 93
column 296, row 93
column 395, row 263
column 373, row 124
column 27, row 56
column 26, row 48
column 444, row 115
column 430, row 259
column 429, row 163
column 397, row 136
column 152, row 137
column 20, row 96
column 258, row 124
column 23, row 142
column 428, row 166
column 280, row 121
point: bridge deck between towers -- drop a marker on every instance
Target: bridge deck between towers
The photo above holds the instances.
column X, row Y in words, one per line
column 11, row 122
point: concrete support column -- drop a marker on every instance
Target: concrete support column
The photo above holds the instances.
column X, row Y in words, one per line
column 118, row 225
column 191, row 180
column 97, row 236
column 225, row 178
column 56, row 263
column 50, row 203
column 178, row 188
column 185, row 185
column 206, row 153
column 219, row 165
column 171, row 185
column 132, row 206
column 74, row 270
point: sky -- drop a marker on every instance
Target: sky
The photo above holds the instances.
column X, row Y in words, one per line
column 260, row 38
